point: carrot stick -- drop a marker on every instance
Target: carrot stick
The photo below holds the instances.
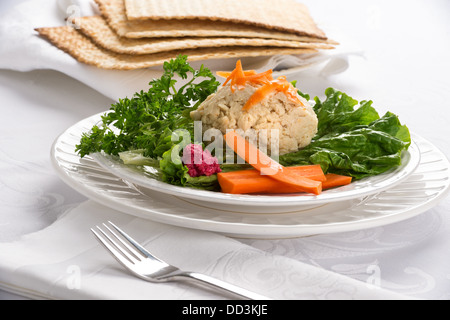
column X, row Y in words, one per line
column 314, row 171
column 335, row 180
column 251, row 181
column 267, row 166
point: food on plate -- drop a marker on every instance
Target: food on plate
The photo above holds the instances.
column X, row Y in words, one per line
column 154, row 128
column 258, row 103
column 252, row 182
column 148, row 120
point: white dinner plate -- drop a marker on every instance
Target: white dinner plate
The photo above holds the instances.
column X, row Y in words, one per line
column 420, row 191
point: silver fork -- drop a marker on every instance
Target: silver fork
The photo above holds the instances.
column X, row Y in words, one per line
column 146, row 266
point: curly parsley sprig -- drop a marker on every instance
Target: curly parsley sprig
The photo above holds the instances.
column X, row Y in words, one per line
column 147, row 120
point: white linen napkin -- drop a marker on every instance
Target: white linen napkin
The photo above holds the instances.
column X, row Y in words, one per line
column 64, row 261
column 23, row 50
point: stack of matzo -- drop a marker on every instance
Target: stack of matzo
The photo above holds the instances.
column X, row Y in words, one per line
column 135, row 34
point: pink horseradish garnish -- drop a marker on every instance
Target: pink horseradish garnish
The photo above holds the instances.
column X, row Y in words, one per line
column 200, row 162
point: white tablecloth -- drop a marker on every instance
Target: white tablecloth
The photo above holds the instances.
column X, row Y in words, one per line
column 404, row 69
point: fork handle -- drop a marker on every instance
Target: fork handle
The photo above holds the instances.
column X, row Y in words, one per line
column 221, row 285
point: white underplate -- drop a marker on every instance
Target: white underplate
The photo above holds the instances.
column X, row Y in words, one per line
column 415, row 193
column 269, row 203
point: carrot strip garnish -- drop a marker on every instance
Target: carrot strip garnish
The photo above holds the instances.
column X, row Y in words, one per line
column 238, row 78
column 335, row 180
column 260, row 94
column 259, row 78
column 269, row 167
column 226, row 74
column 279, row 85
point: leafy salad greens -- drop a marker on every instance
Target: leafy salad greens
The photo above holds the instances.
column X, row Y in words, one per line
column 352, row 138
column 146, row 121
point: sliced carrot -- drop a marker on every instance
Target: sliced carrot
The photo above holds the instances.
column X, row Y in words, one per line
column 267, row 166
column 251, row 181
column 335, row 180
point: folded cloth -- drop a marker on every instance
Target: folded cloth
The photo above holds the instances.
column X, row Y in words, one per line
column 64, row 261
column 25, row 50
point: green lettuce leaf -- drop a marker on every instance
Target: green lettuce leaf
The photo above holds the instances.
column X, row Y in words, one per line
column 337, row 113
column 210, row 183
column 137, row 158
column 172, row 168
column 352, row 140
